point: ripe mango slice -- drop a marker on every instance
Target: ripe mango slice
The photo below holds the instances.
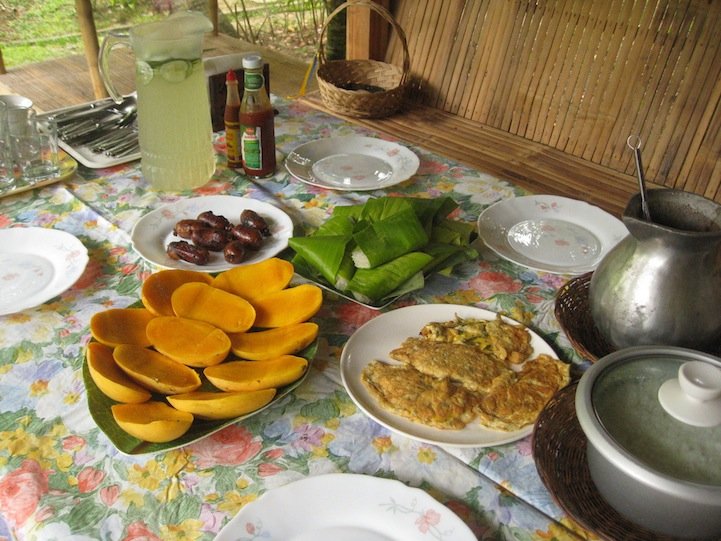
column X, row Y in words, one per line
column 213, row 405
column 155, row 371
column 155, row 422
column 226, row 311
column 158, row 288
column 121, row 326
column 109, row 378
column 188, row 341
column 288, row 306
column 254, row 375
column 272, row 343
column 256, row 280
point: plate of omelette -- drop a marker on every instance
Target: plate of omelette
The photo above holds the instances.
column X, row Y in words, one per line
column 451, row 375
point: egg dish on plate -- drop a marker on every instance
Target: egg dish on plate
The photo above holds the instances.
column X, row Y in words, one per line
column 465, row 370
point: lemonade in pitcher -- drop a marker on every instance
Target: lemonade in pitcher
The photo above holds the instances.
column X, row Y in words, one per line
column 175, row 131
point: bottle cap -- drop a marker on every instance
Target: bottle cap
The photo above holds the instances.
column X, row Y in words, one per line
column 230, row 76
column 252, row 61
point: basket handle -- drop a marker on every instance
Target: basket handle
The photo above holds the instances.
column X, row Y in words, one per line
column 381, row 11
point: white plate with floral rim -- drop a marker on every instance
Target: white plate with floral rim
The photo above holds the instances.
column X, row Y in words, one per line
column 352, row 163
column 550, row 233
column 37, row 264
column 375, row 340
column 345, row 507
column 154, row 231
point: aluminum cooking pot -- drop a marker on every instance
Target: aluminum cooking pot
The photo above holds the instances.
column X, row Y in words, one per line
column 652, row 416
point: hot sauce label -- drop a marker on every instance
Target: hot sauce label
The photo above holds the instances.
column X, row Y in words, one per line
column 251, row 148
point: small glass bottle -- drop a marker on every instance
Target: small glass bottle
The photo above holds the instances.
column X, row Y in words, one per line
column 231, row 120
column 257, row 123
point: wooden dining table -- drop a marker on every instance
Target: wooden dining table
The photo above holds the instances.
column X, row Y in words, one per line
column 61, row 477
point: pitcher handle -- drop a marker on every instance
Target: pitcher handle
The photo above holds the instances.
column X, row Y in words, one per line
column 112, row 39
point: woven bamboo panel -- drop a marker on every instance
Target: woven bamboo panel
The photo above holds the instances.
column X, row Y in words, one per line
column 580, row 76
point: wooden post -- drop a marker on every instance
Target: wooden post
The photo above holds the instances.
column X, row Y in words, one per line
column 2, row 64
column 213, row 12
column 366, row 33
column 84, row 9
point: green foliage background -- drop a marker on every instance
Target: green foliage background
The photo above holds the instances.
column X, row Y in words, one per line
column 38, row 30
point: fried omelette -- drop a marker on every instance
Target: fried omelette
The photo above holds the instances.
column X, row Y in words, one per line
column 409, row 393
column 463, row 363
column 506, row 341
column 460, row 370
column 516, row 402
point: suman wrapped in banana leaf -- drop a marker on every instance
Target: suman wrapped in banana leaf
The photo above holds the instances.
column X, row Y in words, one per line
column 368, row 285
column 361, row 248
column 385, row 239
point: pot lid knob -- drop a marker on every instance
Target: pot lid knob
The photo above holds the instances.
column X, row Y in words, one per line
column 695, row 396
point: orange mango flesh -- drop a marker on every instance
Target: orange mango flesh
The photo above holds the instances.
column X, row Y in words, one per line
column 110, row 379
column 256, row 280
column 121, row 326
column 274, row 342
column 255, row 375
column 155, row 371
column 158, row 288
column 188, row 341
column 224, row 310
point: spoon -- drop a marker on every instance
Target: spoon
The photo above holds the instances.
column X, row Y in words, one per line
column 634, row 143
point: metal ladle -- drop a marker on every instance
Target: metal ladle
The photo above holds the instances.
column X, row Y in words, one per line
column 634, row 143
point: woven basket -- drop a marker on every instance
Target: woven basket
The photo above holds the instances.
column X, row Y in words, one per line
column 363, row 88
column 573, row 312
column 559, row 452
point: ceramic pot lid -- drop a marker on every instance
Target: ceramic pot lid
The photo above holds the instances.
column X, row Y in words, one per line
column 628, row 405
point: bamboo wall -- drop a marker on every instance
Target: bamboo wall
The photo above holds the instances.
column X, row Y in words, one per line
column 580, row 76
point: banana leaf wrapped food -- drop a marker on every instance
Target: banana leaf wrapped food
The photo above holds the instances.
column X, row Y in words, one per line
column 384, row 247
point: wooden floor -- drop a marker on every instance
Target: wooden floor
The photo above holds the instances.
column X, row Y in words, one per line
column 59, row 83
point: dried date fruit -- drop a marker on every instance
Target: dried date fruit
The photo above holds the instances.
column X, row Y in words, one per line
column 212, row 239
column 213, row 220
column 183, row 250
column 250, row 237
column 251, row 218
column 234, row 252
column 184, row 228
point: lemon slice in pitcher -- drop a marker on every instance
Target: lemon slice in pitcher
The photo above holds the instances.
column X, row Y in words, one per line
column 176, row 71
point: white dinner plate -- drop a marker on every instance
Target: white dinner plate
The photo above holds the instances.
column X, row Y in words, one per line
column 37, row 264
column 345, row 507
column 550, row 233
column 154, row 231
column 352, row 163
column 375, row 340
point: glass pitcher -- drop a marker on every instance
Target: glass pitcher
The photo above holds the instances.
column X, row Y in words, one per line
column 175, row 132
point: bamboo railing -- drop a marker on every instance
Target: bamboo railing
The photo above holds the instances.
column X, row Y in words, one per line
column 579, row 76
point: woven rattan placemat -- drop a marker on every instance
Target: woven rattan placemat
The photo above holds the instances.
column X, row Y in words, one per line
column 559, row 450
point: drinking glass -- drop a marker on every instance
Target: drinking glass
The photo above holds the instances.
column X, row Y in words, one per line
column 35, row 148
column 7, row 177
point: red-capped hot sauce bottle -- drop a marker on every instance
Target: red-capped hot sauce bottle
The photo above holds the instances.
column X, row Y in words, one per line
column 232, row 127
column 257, row 128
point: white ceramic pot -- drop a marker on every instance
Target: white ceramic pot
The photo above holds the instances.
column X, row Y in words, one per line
column 660, row 472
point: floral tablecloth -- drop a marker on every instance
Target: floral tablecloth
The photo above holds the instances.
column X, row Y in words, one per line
column 61, row 478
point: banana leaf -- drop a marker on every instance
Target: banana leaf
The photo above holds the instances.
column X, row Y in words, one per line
column 431, row 211
column 378, row 209
column 345, row 273
column 446, row 256
column 369, row 285
column 453, row 232
column 323, row 252
column 386, row 239
column 336, row 225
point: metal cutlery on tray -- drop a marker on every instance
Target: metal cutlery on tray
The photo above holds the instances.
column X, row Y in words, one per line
column 99, row 131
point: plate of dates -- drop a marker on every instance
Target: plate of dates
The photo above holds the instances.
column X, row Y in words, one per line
column 211, row 233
